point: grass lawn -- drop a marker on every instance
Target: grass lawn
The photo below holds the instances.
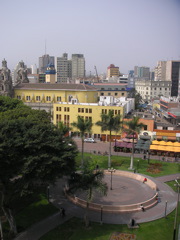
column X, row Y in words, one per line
column 123, row 163
column 74, row 229
column 30, row 210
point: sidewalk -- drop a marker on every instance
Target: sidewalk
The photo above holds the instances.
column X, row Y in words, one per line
column 57, row 198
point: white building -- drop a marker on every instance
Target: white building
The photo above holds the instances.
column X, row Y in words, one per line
column 153, row 89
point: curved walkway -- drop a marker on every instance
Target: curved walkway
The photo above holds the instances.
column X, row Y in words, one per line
column 165, row 193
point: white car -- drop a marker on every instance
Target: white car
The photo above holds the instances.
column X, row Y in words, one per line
column 90, row 140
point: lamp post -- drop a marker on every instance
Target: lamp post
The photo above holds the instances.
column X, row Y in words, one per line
column 111, row 170
column 137, row 165
column 165, row 209
column 48, row 193
column 101, row 214
column 175, row 218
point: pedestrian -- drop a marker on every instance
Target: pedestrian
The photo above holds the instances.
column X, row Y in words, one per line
column 145, row 180
column 142, row 208
column 60, row 210
column 63, row 212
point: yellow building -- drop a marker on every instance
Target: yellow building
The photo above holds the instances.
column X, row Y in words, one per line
column 68, row 112
column 67, row 101
column 112, row 71
column 52, row 93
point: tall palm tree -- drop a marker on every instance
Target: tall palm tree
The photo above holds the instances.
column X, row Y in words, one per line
column 133, row 127
column 110, row 122
column 84, row 126
column 63, row 128
column 89, row 181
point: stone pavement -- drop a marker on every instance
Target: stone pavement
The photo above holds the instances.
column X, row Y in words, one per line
column 165, row 193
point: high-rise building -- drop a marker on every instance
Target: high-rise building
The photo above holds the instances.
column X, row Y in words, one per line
column 112, row 71
column 142, row 72
column 78, row 66
column 44, row 61
column 169, row 71
column 63, row 68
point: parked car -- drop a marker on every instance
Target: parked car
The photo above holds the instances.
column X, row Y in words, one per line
column 90, row 140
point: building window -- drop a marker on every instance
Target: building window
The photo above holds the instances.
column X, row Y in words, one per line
column 109, row 94
column 90, row 110
column 102, row 94
column 48, row 98
column 79, row 110
column 19, row 97
column 38, row 98
column 116, row 94
column 119, row 112
column 155, row 88
column 86, row 110
column 28, row 98
column 122, row 94
column 145, row 127
column 65, row 109
column 58, row 99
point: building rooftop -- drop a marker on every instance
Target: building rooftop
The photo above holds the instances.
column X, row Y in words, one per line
column 55, row 86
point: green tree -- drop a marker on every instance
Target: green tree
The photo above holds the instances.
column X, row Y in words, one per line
column 63, row 128
column 110, row 122
column 7, row 103
column 90, row 181
column 133, row 128
column 84, row 126
column 138, row 98
column 33, row 154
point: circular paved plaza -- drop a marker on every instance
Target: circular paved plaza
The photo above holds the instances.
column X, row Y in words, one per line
column 125, row 191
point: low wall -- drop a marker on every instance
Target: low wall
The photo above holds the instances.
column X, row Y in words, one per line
column 119, row 208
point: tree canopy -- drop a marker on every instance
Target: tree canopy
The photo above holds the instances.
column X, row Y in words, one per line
column 133, row 127
column 33, row 153
column 110, row 122
column 138, row 98
column 83, row 126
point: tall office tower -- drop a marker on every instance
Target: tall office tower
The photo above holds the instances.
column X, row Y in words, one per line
column 44, row 61
column 130, row 79
column 112, row 71
column 173, row 74
column 169, row 71
column 160, row 71
column 142, row 72
column 78, row 66
column 34, row 69
column 63, row 68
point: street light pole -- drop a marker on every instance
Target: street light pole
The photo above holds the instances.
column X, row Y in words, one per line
column 175, row 218
column 137, row 165
column 165, row 209
column 111, row 170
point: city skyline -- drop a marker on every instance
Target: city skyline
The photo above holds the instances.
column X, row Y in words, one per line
column 123, row 33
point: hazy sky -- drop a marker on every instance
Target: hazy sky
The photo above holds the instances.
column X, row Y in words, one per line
column 123, row 32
